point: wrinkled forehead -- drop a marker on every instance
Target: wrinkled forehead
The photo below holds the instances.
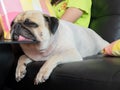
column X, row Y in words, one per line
column 34, row 16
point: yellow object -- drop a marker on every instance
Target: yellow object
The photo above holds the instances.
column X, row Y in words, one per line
column 116, row 48
column 113, row 49
column 84, row 5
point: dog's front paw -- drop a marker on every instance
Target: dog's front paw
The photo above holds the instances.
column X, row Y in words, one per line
column 20, row 72
column 43, row 75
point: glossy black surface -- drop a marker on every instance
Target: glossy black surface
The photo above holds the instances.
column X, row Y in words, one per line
column 8, row 41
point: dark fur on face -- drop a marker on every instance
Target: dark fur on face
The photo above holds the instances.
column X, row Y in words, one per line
column 52, row 23
column 20, row 29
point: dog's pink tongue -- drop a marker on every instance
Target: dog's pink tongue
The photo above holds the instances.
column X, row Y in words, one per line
column 21, row 38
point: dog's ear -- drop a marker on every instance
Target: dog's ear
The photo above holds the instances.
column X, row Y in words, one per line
column 1, row 32
column 52, row 23
column 11, row 24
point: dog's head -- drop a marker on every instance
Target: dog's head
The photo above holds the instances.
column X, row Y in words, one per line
column 33, row 25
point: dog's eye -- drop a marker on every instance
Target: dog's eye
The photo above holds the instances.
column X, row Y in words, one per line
column 29, row 23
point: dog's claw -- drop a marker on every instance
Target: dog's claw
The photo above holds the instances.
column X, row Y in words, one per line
column 36, row 82
column 18, row 79
column 42, row 76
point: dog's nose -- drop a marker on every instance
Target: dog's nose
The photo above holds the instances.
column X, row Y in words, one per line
column 17, row 26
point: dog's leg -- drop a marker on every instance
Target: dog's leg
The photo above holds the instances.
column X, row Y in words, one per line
column 21, row 67
column 63, row 57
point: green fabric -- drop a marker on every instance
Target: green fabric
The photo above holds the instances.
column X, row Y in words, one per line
column 84, row 5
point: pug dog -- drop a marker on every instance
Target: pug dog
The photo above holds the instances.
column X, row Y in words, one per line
column 59, row 42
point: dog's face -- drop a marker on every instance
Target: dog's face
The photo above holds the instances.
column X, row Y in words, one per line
column 32, row 25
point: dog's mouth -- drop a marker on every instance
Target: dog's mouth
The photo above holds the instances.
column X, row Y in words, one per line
column 20, row 33
column 22, row 38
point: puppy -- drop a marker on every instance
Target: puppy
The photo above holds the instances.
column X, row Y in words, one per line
column 59, row 42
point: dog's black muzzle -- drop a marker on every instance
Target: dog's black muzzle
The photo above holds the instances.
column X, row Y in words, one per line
column 19, row 29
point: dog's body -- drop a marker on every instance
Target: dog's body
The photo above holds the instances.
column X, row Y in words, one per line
column 67, row 43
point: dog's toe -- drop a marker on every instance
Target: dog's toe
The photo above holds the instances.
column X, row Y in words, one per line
column 20, row 73
column 40, row 78
column 20, row 76
column 18, row 79
column 43, row 74
column 36, row 82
